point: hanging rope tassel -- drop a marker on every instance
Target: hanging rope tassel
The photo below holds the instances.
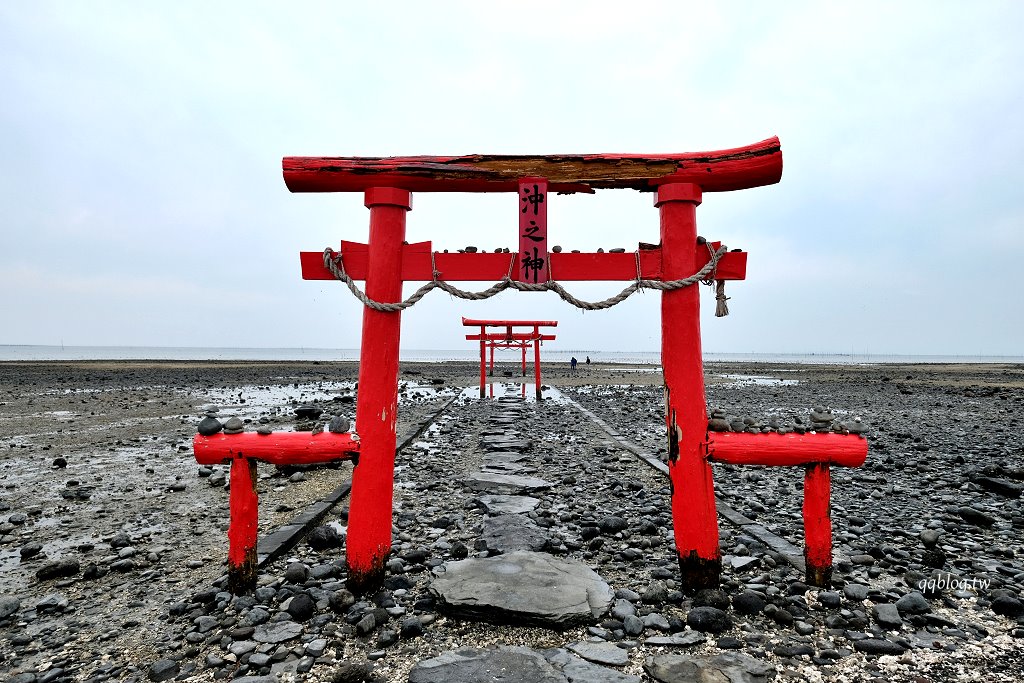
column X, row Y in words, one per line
column 721, row 308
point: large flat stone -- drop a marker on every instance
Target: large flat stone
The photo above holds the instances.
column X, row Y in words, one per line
column 601, row 653
column 505, row 443
column 522, row 587
column 507, row 505
column 731, row 667
column 486, row 665
column 506, row 533
column 579, row 670
column 508, row 484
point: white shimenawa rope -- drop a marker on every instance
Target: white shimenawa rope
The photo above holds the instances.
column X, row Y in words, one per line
column 334, row 264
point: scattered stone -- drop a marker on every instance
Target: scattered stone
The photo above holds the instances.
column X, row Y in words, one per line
column 682, row 639
column 975, row 517
column 913, row 603
column 209, row 426
column 522, row 588
column 888, row 617
column 277, row 632
column 339, row 425
column 748, row 602
column 729, row 667
column 8, row 605
column 507, row 505
column 878, row 646
column 163, row 670
column 708, row 620
column 58, row 570
column 324, row 537
column 601, row 653
column 469, row 665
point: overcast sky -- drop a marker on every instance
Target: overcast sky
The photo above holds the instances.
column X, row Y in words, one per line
column 142, row 199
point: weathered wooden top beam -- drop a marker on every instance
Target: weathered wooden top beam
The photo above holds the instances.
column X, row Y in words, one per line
column 728, row 169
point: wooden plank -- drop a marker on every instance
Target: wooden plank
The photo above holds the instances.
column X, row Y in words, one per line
column 847, row 450
column 277, row 448
column 716, row 171
column 515, row 336
column 492, row 267
column 471, row 322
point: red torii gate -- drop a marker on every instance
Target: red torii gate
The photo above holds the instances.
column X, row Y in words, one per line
column 678, row 182
column 510, row 339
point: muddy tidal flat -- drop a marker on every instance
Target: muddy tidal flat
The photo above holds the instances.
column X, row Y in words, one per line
column 113, row 539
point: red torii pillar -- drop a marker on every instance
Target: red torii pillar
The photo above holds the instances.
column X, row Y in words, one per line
column 678, row 181
column 507, row 338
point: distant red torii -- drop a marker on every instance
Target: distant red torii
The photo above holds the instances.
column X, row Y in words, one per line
column 510, row 339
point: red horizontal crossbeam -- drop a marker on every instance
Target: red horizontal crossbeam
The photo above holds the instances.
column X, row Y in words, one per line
column 277, row 448
column 469, row 322
column 417, row 264
column 728, row 169
column 847, row 450
column 515, row 336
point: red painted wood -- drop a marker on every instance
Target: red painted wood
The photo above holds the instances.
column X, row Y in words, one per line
column 533, row 230
column 494, row 338
column 243, row 507
column 536, row 360
column 729, row 169
column 492, row 359
column 492, row 267
column 471, row 322
column 524, row 360
column 817, row 525
column 278, row 448
column 695, row 521
column 369, row 525
column 483, row 374
column 791, row 449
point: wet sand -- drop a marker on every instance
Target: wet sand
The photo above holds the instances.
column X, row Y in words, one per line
column 98, row 473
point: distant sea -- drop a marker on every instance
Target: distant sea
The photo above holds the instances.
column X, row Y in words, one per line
column 23, row 353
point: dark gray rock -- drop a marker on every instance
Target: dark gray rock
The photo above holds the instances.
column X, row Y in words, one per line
column 505, row 484
column 975, row 517
column 301, row 607
column 59, row 569
column 8, row 605
column 1008, row 606
column 469, row 665
column 339, row 425
column 913, row 603
column 522, row 588
column 296, row 573
column 855, row 592
column 506, row 533
column 209, row 426
column 507, row 505
column 601, row 653
column 577, row 669
column 324, row 537
column 306, row 412
column 234, row 425
column 708, row 620
column 878, row 646
column 729, row 667
column 682, row 639
column 888, row 616
column 748, row 602
column 162, row 670
column 277, row 632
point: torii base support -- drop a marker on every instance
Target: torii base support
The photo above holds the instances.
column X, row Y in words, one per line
column 243, row 451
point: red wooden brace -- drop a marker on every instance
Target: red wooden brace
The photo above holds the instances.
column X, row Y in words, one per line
column 243, row 451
